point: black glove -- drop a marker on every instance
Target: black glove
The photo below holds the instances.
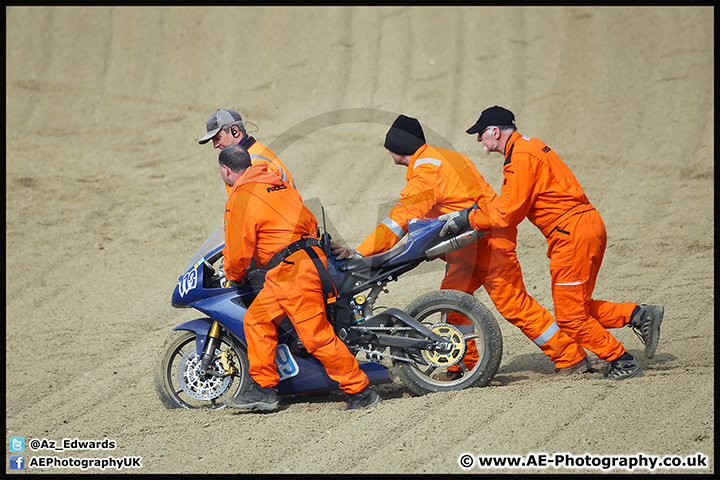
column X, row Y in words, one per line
column 254, row 276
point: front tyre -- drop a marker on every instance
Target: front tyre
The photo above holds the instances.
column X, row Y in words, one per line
column 469, row 327
column 179, row 383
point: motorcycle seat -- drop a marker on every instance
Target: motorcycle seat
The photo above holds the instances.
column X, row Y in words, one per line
column 373, row 261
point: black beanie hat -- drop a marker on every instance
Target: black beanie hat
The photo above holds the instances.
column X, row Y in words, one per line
column 405, row 136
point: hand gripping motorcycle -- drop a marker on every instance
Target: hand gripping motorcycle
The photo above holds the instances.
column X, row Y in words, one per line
column 204, row 360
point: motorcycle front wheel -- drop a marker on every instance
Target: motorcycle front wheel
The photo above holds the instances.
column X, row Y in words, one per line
column 179, row 382
column 466, row 324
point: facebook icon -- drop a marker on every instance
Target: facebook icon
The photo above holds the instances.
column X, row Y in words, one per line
column 17, row 462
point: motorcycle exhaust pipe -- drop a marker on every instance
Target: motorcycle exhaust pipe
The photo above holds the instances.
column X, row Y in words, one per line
column 453, row 244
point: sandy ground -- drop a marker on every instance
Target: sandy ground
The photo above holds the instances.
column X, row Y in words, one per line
column 108, row 194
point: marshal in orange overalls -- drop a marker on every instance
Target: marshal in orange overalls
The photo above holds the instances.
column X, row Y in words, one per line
column 264, row 215
column 440, row 181
column 538, row 185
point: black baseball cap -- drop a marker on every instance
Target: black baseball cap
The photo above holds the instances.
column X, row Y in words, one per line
column 493, row 116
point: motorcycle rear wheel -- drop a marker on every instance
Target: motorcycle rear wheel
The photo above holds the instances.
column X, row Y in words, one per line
column 432, row 310
column 176, row 380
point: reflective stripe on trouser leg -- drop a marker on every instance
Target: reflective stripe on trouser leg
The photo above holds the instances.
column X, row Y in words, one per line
column 547, row 334
column 562, row 350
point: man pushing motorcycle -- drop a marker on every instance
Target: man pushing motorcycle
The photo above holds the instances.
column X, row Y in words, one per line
column 539, row 186
column 441, row 181
column 266, row 221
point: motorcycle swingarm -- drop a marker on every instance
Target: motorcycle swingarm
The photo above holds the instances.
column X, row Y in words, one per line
column 404, row 342
column 404, row 318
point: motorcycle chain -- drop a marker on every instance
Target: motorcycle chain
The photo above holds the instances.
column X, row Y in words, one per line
column 378, row 353
column 381, row 329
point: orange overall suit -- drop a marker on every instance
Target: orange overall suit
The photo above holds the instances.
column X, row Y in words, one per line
column 259, row 155
column 538, row 185
column 440, row 181
column 264, row 215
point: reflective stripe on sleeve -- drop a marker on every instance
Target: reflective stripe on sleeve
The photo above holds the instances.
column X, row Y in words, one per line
column 255, row 155
column 394, row 227
column 423, row 161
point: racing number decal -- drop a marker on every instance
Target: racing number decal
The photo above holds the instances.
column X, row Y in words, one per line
column 187, row 282
column 286, row 365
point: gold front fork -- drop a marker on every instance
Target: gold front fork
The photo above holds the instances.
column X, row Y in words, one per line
column 215, row 330
column 209, row 350
column 213, row 340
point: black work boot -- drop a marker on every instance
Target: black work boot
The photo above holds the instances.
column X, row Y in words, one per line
column 365, row 399
column 255, row 398
column 623, row 369
column 645, row 321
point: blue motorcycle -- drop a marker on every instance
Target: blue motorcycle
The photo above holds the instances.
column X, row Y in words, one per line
column 205, row 360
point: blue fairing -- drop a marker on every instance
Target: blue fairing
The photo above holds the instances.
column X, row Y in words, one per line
column 421, row 232
column 314, row 378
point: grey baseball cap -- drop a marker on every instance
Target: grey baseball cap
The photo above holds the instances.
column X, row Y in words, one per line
column 217, row 120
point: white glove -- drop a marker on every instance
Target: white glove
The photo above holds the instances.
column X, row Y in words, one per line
column 455, row 221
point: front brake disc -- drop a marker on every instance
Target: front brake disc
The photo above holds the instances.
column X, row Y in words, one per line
column 208, row 388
